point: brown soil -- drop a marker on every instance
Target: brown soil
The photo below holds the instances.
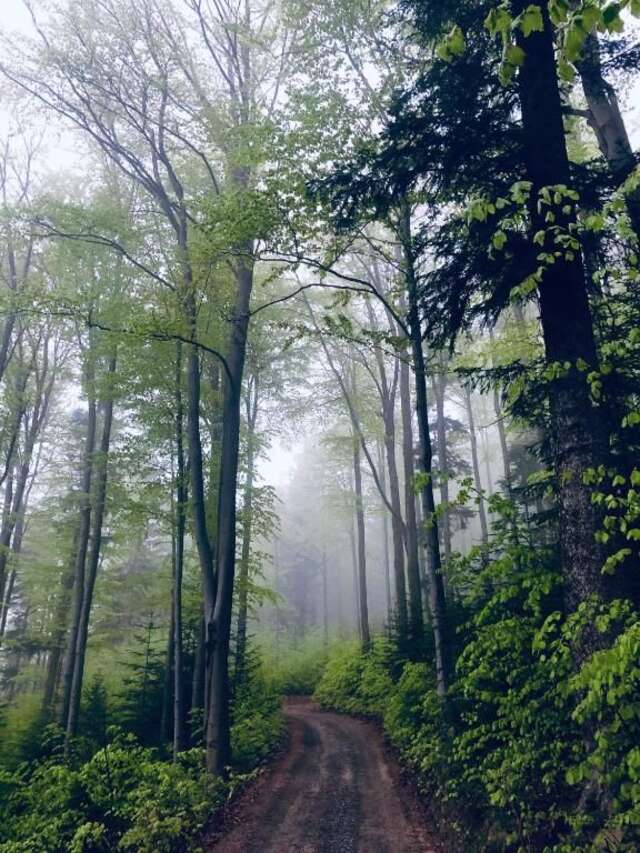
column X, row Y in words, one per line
column 335, row 790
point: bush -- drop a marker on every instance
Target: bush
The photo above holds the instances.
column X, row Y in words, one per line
column 258, row 724
column 296, row 671
column 526, row 754
column 123, row 798
column 355, row 682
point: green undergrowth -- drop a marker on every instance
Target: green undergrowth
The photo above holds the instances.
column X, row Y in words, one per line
column 527, row 754
column 120, row 795
column 297, row 669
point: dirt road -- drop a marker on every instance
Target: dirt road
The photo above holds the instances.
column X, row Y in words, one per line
column 335, row 790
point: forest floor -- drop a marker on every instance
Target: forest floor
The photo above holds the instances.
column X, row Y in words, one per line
column 336, row 789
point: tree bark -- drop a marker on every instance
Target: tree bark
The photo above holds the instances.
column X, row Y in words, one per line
column 217, row 737
column 247, row 510
column 386, row 563
column 181, row 497
column 99, row 510
column 197, row 686
column 608, row 124
column 325, row 601
column 439, row 386
column 387, row 391
column 578, row 434
column 363, row 605
column 413, row 559
column 484, row 528
column 437, row 601
column 57, row 643
column 84, row 530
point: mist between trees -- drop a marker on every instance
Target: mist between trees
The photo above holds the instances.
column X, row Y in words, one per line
column 394, row 247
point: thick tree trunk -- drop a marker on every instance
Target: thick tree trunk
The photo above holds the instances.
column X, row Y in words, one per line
column 387, row 391
column 99, row 510
column 608, row 124
column 57, row 642
column 578, row 434
column 247, row 514
column 217, row 737
column 411, row 522
column 484, row 528
column 82, row 546
column 363, row 604
column 386, row 562
column 181, row 497
column 437, row 601
column 204, row 543
column 397, row 526
column 439, row 387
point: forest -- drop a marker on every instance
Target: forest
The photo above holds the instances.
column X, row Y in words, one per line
column 319, row 426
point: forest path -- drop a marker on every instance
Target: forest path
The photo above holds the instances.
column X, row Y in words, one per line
column 335, row 790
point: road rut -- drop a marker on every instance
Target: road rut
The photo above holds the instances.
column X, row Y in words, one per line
column 335, row 790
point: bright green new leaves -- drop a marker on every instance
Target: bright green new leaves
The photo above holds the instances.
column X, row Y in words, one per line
column 574, row 22
column 500, row 22
column 452, row 45
column 530, row 21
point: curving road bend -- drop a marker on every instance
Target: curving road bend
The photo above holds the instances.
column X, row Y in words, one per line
column 335, row 790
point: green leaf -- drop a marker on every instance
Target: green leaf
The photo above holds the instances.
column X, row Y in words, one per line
column 530, row 21
column 515, row 55
column 453, row 45
column 499, row 239
column 498, row 21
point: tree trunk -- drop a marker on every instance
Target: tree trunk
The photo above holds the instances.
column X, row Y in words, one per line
column 204, row 543
column 356, row 582
column 439, row 386
column 197, row 686
column 218, row 742
column 100, row 500
column 606, row 120
column 181, row 498
column 247, row 514
column 57, row 643
column 386, row 567
column 397, row 527
column 15, row 501
column 6, row 530
column 411, row 522
column 363, row 606
column 325, row 601
column 166, row 718
column 4, row 609
column 388, row 405
column 484, row 528
column 502, row 433
column 437, row 601
column 84, row 530
column 578, row 435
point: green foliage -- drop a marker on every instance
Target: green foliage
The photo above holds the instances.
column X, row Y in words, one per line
column 126, row 796
column 355, row 682
column 258, row 725
column 123, row 798
column 297, row 670
column 505, row 763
